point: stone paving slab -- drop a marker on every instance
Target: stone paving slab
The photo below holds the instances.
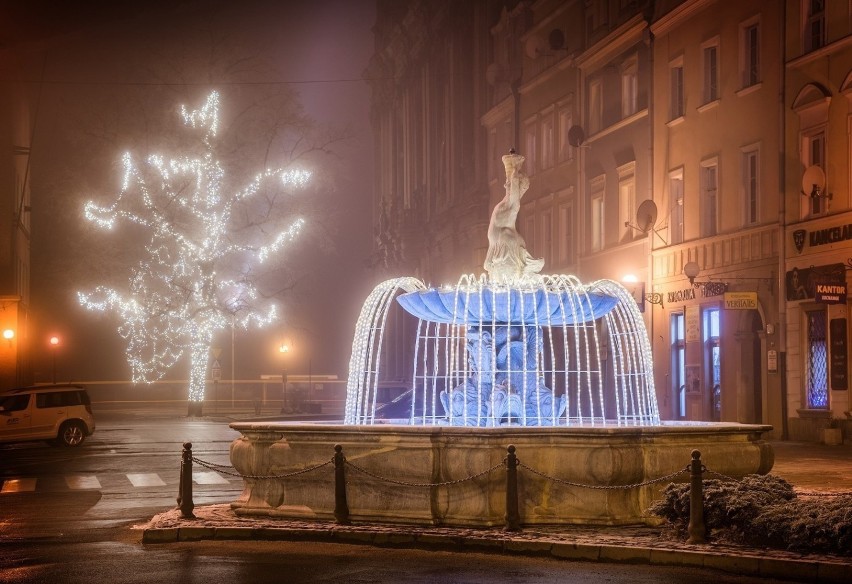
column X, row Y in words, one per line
column 631, row 544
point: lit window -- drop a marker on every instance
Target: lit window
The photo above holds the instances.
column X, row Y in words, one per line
column 817, row 365
column 678, row 336
column 713, row 360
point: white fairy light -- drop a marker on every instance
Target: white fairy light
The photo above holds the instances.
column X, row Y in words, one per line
column 187, row 290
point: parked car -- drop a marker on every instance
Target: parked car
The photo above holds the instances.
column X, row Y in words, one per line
column 61, row 414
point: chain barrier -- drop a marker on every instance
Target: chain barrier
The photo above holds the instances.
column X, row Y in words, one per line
column 604, row 487
column 221, row 468
column 442, row 484
column 828, row 494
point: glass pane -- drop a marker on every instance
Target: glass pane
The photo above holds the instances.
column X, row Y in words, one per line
column 817, row 361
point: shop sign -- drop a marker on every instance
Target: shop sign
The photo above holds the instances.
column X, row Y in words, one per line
column 800, row 283
column 830, row 292
column 741, row 300
column 838, row 359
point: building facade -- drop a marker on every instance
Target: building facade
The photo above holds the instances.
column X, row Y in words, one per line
column 666, row 144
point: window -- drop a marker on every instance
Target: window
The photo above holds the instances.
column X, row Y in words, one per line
column 676, row 196
column 529, row 234
column 678, row 336
column 530, row 147
column 676, row 91
column 709, row 197
column 629, row 87
column 566, row 234
column 626, row 200
column 751, row 184
column 814, row 155
column 547, row 140
column 545, row 236
column 597, row 214
column 750, row 53
column 713, row 360
column 14, row 403
column 711, row 71
column 817, row 365
column 814, row 24
column 595, row 106
column 566, row 121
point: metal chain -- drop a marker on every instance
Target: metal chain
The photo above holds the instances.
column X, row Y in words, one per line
column 219, row 468
column 718, row 474
column 407, row 484
column 604, row 487
column 814, row 494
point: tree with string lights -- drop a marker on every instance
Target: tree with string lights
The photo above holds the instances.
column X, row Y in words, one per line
column 200, row 269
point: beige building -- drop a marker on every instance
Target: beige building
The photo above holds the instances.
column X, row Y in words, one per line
column 658, row 147
column 17, row 99
column 817, row 234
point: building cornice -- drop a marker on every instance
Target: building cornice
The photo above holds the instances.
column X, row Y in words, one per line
column 612, row 44
column 820, row 53
column 679, row 15
column 499, row 112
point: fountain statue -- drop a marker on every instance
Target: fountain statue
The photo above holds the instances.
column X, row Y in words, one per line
column 508, row 260
column 558, row 368
column 512, row 347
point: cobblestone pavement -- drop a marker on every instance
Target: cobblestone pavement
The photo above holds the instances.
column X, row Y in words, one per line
column 811, row 468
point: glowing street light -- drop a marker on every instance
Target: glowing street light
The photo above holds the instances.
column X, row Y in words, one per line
column 9, row 334
column 54, row 343
column 284, row 349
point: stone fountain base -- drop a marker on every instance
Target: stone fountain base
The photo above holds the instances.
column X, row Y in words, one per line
column 597, row 456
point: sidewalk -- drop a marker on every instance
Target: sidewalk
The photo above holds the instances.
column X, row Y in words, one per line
column 809, row 467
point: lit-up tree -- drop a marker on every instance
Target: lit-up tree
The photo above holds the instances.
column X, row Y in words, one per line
column 198, row 275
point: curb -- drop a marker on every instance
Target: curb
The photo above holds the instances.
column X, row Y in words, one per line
column 806, row 569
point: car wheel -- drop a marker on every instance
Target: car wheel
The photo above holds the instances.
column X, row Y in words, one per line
column 71, row 434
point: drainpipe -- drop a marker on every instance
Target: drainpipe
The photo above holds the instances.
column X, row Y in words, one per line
column 782, row 225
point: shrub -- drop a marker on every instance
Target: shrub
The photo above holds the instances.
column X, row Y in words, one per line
column 764, row 511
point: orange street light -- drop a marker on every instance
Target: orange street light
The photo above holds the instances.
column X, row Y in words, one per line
column 54, row 342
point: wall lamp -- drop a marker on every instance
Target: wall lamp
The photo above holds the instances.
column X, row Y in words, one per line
column 691, row 271
column 637, row 290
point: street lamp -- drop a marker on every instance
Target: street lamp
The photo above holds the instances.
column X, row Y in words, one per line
column 9, row 334
column 284, row 349
column 54, row 343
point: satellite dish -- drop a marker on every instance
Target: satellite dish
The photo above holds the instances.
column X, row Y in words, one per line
column 814, row 178
column 576, row 136
column 646, row 216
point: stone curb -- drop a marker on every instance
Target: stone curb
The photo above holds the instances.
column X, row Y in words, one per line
column 805, row 570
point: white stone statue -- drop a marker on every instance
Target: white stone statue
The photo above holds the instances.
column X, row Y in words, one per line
column 508, row 260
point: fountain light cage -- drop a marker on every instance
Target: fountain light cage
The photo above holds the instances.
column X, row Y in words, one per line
column 547, row 350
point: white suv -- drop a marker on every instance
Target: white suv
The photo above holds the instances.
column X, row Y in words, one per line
column 61, row 414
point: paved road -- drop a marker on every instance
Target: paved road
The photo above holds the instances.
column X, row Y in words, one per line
column 66, row 515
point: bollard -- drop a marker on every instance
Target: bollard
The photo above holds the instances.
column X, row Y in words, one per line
column 696, row 528
column 513, row 519
column 341, row 508
column 184, row 499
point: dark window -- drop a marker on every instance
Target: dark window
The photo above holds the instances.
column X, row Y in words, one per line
column 14, row 403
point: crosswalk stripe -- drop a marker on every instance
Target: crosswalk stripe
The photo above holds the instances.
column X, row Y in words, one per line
column 209, row 478
column 81, row 482
column 148, row 479
column 18, row 485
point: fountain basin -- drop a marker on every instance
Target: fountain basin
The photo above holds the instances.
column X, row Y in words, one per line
column 600, row 456
column 508, row 305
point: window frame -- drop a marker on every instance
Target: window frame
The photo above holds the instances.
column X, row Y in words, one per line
column 709, row 203
column 677, row 99
column 750, row 185
column 711, row 89
column 677, row 214
column 750, row 57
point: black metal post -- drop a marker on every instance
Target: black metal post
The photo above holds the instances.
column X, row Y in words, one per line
column 184, row 499
column 696, row 529
column 513, row 518
column 341, row 507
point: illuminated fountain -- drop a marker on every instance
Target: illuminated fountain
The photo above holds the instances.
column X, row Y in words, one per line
column 560, row 369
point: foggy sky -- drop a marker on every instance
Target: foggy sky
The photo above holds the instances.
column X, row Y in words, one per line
column 321, row 47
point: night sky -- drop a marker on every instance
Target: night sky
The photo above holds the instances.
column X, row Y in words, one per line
column 111, row 81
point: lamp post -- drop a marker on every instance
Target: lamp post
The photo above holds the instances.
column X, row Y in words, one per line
column 284, row 349
column 54, row 343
